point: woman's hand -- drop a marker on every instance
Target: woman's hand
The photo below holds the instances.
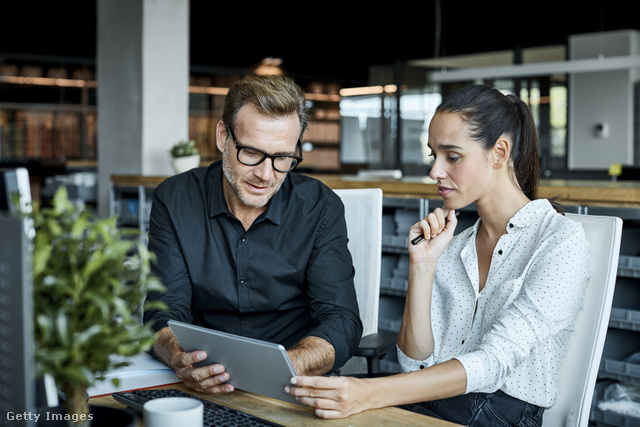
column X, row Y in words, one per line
column 429, row 237
column 332, row 397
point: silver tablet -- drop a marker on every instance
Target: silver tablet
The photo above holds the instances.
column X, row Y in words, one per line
column 253, row 365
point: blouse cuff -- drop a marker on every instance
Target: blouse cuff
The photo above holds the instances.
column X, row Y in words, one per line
column 407, row 364
column 475, row 370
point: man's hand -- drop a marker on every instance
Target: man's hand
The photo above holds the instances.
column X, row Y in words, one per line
column 209, row 378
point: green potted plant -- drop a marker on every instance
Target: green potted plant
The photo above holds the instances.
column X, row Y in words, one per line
column 185, row 155
column 90, row 282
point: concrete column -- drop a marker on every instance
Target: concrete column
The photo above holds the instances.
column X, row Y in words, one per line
column 143, row 87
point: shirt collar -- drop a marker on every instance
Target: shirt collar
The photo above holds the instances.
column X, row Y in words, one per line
column 218, row 204
column 525, row 216
column 528, row 213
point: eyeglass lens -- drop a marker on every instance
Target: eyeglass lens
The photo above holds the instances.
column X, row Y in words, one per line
column 251, row 157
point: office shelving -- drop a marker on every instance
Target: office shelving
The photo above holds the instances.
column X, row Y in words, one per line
column 399, row 214
column 132, row 207
column 623, row 337
column 51, row 114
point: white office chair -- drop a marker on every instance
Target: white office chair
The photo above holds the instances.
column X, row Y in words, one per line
column 363, row 214
column 579, row 371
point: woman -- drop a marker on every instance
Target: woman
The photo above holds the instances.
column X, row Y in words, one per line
column 489, row 312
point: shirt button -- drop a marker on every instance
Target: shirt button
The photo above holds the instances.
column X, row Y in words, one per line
column 500, row 252
column 421, row 366
column 510, row 225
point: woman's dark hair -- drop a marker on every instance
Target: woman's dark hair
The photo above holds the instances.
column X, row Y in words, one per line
column 489, row 114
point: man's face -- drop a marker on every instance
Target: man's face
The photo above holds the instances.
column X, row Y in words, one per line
column 253, row 186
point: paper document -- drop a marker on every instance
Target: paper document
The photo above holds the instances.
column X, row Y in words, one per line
column 140, row 371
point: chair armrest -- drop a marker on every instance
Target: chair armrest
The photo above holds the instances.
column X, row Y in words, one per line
column 377, row 345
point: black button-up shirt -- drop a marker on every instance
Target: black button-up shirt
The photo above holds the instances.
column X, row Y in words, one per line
column 289, row 276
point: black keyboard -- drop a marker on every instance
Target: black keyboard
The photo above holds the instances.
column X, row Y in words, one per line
column 214, row 414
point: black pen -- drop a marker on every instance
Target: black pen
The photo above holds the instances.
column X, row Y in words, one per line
column 420, row 238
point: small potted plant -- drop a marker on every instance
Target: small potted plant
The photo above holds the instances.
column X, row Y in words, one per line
column 185, row 156
column 90, row 281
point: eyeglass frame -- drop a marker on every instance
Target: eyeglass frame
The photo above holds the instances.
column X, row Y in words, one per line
column 265, row 155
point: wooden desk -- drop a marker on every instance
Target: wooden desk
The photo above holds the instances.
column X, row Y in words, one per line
column 290, row 414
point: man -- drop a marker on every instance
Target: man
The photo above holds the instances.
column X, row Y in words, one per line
column 248, row 247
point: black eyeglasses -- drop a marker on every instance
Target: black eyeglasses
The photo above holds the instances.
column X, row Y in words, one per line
column 250, row 156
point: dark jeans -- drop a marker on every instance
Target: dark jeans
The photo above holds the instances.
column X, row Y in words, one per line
column 482, row 410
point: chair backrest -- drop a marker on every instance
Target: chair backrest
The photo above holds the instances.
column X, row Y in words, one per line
column 363, row 213
column 579, row 371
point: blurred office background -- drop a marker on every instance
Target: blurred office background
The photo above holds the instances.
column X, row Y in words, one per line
column 373, row 77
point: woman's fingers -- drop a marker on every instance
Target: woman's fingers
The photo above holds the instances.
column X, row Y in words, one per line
column 436, row 221
column 314, row 391
column 331, row 397
column 430, row 226
column 314, row 386
column 452, row 218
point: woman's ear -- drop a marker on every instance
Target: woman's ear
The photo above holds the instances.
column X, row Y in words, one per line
column 501, row 152
column 221, row 136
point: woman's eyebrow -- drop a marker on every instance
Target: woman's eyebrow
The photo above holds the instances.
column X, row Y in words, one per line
column 445, row 147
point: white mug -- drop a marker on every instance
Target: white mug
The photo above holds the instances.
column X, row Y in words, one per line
column 173, row 411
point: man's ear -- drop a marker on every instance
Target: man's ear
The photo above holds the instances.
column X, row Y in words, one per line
column 221, row 136
column 501, row 152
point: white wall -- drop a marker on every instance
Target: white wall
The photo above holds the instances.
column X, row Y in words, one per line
column 603, row 97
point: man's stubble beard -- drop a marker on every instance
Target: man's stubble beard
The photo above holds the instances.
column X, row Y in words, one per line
column 232, row 179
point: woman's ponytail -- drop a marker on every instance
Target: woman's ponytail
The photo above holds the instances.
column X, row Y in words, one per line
column 526, row 156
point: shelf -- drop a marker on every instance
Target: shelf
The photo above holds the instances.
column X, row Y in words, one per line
column 394, row 287
column 601, row 418
column 48, row 132
column 620, row 371
column 40, row 130
column 394, row 244
column 625, row 319
column 629, row 266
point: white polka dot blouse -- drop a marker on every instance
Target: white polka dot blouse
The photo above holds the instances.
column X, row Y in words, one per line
column 513, row 335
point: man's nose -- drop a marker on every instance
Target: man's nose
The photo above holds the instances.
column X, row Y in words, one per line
column 264, row 170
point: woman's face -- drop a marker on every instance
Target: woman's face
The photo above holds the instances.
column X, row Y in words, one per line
column 461, row 166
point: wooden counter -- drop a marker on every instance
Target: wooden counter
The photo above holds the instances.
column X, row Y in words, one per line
column 569, row 192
